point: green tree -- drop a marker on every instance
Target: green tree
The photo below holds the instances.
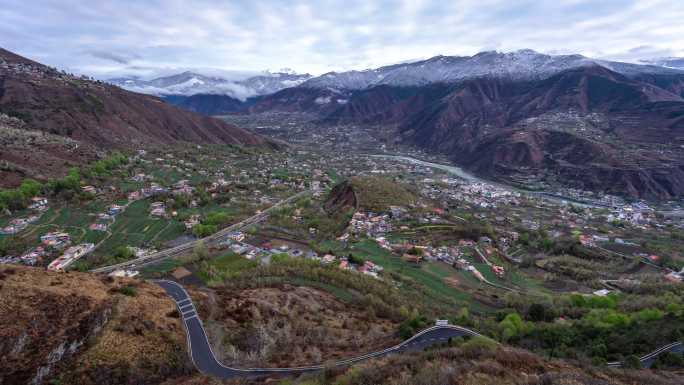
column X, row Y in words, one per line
column 123, row 253
column 632, row 362
column 536, row 312
column 511, row 326
column 201, row 230
column 200, row 251
column 668, row 360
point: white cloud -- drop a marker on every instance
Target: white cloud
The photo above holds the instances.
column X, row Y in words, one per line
column 105, row 37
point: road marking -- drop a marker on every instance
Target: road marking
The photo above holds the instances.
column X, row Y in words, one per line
column 420, row 339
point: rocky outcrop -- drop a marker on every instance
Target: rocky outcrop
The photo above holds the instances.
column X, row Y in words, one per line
column 341, row 198
column 43, row 329
column 75, row 328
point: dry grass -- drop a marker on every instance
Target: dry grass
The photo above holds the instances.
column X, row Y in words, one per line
column 289, row 325
column 133, row 337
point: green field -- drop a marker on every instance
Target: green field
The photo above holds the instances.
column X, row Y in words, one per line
column 429, row 275
column 162, row 267
column 216, row 270
column 134, row 227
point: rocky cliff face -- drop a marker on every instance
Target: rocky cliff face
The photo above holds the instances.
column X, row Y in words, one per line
column 76, row 328
column 341, row 198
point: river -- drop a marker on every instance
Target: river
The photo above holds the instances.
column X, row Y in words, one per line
column 465, row 175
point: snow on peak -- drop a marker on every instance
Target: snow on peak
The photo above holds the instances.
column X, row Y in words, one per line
column 519, row 65
column 192, row 83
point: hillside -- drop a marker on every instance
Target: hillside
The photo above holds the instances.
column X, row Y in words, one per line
column 589, row 127
column 77, row 328
column 478, row 362
column 368, row 193
column 95, row 114
column 209, row 104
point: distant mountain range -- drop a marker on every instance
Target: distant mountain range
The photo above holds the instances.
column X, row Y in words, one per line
column 668, row 62
column 212, row 95
column 522, row 117
column 519, row 65
column 525, row 118
column 192, row 83
column 38, row 103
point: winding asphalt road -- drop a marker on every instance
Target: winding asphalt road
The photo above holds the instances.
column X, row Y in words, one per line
column 647, row 360
column 205, row 361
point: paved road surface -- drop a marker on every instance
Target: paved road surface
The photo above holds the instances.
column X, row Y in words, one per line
column 647, row 360
column 188, row 246
column 204, row 360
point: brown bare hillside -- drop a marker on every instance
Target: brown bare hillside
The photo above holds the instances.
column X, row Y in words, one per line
column 99, row 114
column 78, row 329
column 289, row 325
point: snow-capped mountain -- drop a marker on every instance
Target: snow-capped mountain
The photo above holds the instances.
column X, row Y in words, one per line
column 518, row 65
column 668, row 62
column 191, row 83
column 522, row 64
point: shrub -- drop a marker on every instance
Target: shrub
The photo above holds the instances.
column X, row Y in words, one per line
column 412, row 325
column 202, row 230
column 647, row 315
column 606, row 318
column 123, row 253
column 128, row 291
column 512, row 326
column 668, row 360
column 536, row 312
column 478, row 344
column 632, row 362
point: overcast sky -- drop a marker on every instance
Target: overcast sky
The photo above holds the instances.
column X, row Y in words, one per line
column 106, row 38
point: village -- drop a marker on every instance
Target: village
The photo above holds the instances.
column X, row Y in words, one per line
column 192, row 193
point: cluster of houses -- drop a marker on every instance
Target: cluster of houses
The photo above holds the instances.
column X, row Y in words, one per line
column 102, row 224
column 50, row 242
column 39, row 204
column 182, row 187
column 370, row 224
column 147, row 192
column 18, row 224
column 57, row 240
column 234, row 242
column 192, row 221
column 158, row 209
column 70, row 255
column 367, row 268
column 30, row 257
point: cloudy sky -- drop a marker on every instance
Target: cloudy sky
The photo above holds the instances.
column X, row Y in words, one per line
column 146, row 37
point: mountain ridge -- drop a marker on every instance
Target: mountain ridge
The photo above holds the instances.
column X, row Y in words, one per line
column 189, row 83
column 529, row 131
column 525, row 64
column 96, row 114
